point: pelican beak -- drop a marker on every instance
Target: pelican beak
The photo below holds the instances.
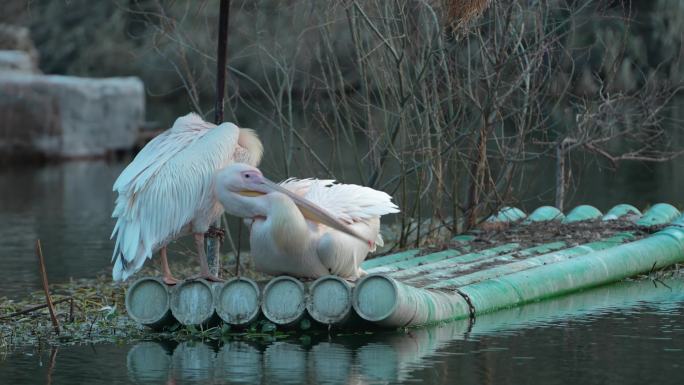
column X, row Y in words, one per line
column 311, row 210
column 250, row 193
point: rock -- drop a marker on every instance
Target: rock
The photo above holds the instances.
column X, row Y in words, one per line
column 18, row 61
column 68, row 117
column 16, row 38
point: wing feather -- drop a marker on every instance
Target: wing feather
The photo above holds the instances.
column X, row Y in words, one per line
column 347, row 202
column 185, row 131
column 302, row 186
column 167, row 187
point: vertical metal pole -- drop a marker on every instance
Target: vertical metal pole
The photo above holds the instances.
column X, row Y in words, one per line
column 214, row 242
column 221, row 55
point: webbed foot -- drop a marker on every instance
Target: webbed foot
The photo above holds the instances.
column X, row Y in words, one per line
column 170, row 280
column 207, row 277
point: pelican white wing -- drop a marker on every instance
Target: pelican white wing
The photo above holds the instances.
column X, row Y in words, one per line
column 167, row 189
column 302, row 186
column 185, row 131
column 349, row 202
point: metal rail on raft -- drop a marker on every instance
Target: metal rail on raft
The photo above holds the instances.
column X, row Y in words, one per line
column 404, row 289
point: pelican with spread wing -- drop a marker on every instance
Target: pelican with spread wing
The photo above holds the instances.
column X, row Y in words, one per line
column 168, row 191
column 304, row 227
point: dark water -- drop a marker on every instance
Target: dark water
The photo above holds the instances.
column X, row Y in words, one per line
column 628, row 333
column 68, row 206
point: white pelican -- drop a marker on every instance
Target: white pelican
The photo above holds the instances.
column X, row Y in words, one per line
column 292, row 234
column 167, row 191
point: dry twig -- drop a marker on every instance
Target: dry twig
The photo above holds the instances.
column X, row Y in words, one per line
column 48, row 299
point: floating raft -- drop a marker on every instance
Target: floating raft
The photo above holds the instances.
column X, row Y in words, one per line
column 385, row 357
column 476, row 274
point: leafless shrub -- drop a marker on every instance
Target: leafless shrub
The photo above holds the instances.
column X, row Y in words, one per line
column 401, row 96
column 446, row 104
column 617, row 127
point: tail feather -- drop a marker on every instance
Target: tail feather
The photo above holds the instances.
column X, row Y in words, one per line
column 130, row 251
column 250, row 141
column 122, row 269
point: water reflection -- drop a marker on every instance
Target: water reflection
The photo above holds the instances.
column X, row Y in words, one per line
column 285, row 363
column 193, row 361
column 68, row 207
column 241, row 362
column 400, row 357
column 332, row 363
column 617, row 298
column 149, row 363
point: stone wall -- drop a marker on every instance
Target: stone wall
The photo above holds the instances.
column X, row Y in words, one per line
column 68, row 117
column 15, row 60
column 18, row 39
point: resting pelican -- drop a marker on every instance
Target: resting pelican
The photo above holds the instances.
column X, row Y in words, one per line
column 292, row 234
column 167, row 191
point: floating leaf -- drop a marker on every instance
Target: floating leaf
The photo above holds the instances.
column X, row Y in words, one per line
column 268, row 327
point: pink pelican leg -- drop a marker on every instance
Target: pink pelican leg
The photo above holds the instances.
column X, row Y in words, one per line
column 168, row 278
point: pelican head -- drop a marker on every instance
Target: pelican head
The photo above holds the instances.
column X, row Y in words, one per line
column 239, row 186
column 242, row 179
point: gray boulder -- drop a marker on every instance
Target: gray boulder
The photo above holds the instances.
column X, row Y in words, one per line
column 16, row 38
column 18, row 61
column 68, row 117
